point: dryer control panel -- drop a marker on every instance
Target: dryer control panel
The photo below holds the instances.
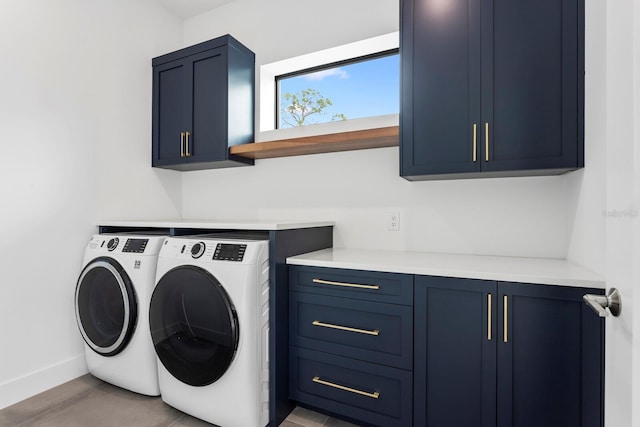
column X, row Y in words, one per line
column 203, row 249
column 135, row 245
column 229, row 252
column 125, row 244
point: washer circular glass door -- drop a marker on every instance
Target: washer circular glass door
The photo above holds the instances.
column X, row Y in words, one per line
column 106, row 306
column 194, row 325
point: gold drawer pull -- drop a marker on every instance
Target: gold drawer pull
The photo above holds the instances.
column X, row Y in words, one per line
column 489, row 317
column 373, row 395
column 348, row 285
column 475, row 142
column 486, row 142
column 506, row 317
column 346, row 328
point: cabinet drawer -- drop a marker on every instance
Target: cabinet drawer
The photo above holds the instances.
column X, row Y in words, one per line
column 366, row 330
column 368, row 285
column 371, row 393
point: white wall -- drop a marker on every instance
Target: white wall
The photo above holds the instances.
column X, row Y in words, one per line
column 75, row 115
column 635, row 363
column 518, row 216
column 586, row 195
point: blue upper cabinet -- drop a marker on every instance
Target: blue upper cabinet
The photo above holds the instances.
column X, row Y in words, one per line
column 203, row 103
column 491, row 88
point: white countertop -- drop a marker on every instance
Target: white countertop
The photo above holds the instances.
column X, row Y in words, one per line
column 221, row 224
column 499, row 268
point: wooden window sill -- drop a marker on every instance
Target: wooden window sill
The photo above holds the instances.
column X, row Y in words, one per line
column 328, row 143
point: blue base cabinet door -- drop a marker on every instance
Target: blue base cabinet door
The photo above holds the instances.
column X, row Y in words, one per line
column 455, row 353
column 550, row 357
column 506, row 354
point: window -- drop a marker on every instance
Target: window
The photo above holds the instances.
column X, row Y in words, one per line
column 339, row 74
column 361, row 87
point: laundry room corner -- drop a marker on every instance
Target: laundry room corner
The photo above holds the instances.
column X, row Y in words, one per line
column 74, row 116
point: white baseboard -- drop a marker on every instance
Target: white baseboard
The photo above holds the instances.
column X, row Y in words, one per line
column 23, row 387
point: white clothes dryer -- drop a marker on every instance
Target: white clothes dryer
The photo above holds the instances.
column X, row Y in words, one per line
column 112, row 309
column 209, row 319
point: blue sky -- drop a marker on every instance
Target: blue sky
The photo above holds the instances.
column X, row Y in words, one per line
column 362, row 89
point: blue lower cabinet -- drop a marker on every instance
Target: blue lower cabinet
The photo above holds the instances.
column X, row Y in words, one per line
column 361, row 391
column 506, row 354
column 392, row 288
column 455, row 353
column 351, row 344
column 364, row 330
column 550, row 357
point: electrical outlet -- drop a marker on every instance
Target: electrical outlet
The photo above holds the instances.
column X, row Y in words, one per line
column 393, row 221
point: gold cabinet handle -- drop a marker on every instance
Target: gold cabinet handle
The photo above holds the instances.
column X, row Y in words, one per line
column 489, row 317
column 475, row 142
column 188, row 154
column 506, row 312
column 348, row 285
column 486, row 142
column 181, row 144
column 346, row 328
column 373, row 395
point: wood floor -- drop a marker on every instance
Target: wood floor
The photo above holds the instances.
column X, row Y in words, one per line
column 90, row 402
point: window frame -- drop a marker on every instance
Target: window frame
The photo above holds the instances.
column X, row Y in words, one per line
column 322, row 67
column 327, row 58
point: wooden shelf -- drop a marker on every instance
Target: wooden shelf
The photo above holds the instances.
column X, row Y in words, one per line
column 329, row 143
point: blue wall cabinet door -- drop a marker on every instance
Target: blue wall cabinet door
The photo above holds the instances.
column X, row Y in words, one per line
column 170, row 121
column 203, row 103
column 506, row 354
column 532, row 85
column 491, row 88
column 440, row 61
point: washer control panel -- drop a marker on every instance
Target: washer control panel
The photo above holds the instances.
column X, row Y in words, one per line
column 229, row 252
column 135, row 245
column 131, row 245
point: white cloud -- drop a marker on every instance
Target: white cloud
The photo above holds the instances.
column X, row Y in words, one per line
column 321, row 75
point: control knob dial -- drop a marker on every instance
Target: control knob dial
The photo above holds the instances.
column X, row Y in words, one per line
column 197, row 250
column 112, row 244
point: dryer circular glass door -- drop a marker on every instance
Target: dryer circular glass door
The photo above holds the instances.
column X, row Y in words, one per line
column 106, row 306
column 194, row 325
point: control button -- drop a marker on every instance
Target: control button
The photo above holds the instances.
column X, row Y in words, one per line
column 113, row 243
column 197, row 250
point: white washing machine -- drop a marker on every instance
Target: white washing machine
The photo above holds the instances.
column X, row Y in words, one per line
column 209, row 320
column 112, row 309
